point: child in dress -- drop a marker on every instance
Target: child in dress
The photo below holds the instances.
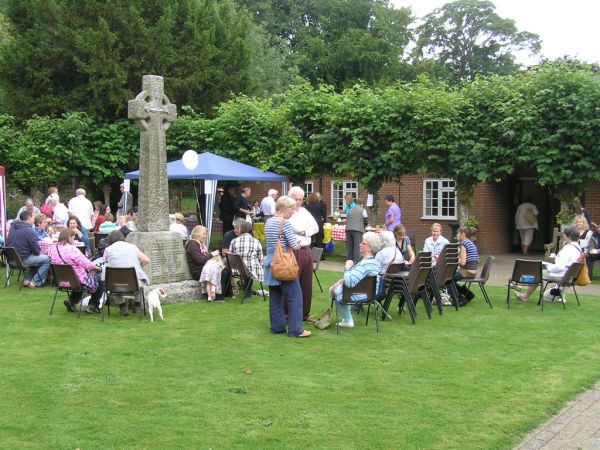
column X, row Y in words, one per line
column 211, row 277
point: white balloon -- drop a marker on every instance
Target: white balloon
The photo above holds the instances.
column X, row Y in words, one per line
column 190, row 160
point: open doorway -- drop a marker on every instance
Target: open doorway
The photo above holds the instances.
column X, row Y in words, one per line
column 527, row 187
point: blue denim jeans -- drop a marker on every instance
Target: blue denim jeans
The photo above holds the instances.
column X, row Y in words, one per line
column 290, row 291
column 39, row 276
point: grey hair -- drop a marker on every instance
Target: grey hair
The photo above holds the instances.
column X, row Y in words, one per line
column 237, row 222
column 372, row 241
column 284, row 202
column 29, row 201
column 272, row 192
column 296, row 190
column 80, row 191
column 246, row 189
column 387, row 239
column 571, row 232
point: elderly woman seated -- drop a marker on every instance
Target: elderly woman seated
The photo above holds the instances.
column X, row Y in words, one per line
column 570, row 253
column 389, row 253
column 354, row 273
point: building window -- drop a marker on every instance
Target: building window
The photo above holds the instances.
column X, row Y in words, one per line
column 339, row 189
column 309, row 188
column 439, row 199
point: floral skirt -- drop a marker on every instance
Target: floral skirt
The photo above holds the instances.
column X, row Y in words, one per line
column 212, row 273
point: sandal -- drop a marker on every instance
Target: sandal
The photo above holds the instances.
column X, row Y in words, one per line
column 305, row 334
column 311, row 319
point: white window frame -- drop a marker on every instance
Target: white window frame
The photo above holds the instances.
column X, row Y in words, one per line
column 443, row 193
column 309, row 188
column 348, row 187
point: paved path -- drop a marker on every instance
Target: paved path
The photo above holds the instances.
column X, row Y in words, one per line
column 577, row 425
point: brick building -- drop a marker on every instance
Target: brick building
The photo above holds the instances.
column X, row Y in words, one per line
column 425, row 200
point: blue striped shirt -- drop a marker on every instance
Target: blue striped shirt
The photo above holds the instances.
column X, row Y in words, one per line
column 472, row 253
column 288, row 240
column 364, row 268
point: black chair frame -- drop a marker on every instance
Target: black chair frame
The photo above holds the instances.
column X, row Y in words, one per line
column 122, row 281
column 238, row 270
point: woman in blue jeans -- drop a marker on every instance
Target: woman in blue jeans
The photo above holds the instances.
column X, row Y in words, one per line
column 283, row 290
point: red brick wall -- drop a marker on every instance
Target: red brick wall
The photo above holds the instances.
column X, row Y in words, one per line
column 491, row 206
column 592, row 200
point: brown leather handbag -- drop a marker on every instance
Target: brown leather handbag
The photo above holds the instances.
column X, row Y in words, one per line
column 284, row 266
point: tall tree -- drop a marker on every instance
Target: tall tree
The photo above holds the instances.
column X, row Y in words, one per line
column 467, row 38
column 338, row 42
column 90, row 56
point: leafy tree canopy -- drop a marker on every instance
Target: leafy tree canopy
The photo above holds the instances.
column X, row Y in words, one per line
column 338, row 42
column 467, row 38
column 90, row 56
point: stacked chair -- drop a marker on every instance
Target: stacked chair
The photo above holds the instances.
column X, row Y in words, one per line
column 410, row 286
column 442, row 275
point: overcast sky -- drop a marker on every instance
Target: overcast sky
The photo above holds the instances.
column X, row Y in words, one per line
column 565, row 27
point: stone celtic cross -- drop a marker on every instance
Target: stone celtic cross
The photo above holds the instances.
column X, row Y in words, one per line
column 153, row 113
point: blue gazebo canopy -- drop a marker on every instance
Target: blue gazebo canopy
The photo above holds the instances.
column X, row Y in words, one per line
column 214, row 167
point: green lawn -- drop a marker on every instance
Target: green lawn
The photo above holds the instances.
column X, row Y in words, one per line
column 212, row 376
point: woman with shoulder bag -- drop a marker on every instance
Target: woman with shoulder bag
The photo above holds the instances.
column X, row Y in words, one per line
column 65, row 252
column 278, row 228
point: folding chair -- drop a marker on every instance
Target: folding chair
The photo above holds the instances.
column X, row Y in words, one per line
column 122, row 281
column 523, row 268
column 15, row 262
column 366, row 286
column 239, row 270
column 568, row 280
column 65, row 280
column 316, row 253
column 482, row 278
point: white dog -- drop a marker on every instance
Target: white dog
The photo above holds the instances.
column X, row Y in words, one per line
column 154, row 302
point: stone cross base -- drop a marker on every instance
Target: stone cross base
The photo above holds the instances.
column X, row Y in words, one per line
column 168, row 261
column 184, row 291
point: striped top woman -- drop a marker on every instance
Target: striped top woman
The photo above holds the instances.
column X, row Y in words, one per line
column 469, row 255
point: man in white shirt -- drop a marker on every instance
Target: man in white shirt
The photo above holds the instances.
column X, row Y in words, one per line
column 267, row 206
column 305, row 226
column 82, row 208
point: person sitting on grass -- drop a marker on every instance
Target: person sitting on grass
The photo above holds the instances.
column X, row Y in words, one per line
column 569, row 254
column 355, row 273
column 65, row 252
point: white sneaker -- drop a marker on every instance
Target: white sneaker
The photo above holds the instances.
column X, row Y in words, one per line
column 344, row 324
